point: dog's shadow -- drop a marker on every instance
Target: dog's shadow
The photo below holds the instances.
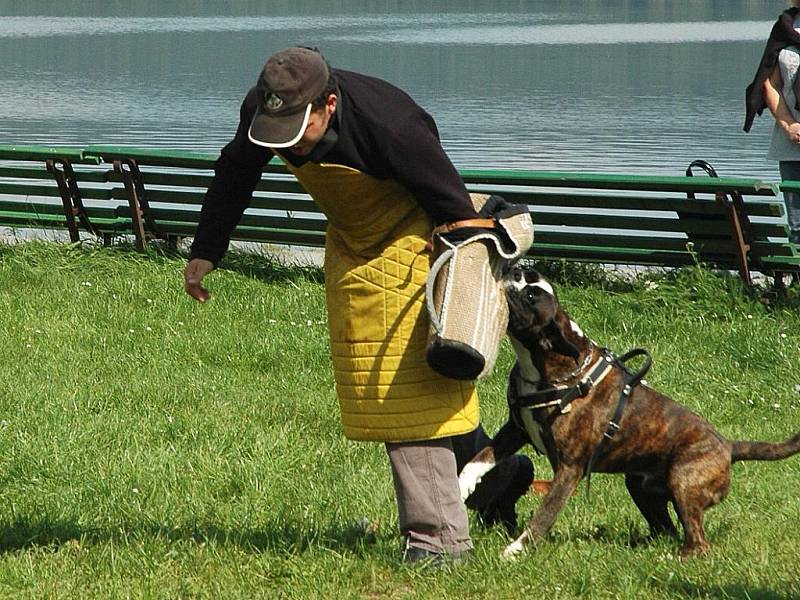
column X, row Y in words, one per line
column 634, row 536
column 280, row 537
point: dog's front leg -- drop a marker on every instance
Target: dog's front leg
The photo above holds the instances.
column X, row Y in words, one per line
column 472, row 473
column 507, row 441
column 565, row 481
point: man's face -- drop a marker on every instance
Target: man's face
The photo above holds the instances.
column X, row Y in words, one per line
column 318, row 122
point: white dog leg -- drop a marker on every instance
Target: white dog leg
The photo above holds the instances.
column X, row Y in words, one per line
column 471, row 476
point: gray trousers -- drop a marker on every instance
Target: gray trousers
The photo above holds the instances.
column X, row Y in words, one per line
column 791, row 170
column 432, row 515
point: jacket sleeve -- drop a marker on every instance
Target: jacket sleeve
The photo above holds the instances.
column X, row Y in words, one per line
column 417, row 160
column 237, row 171
column 782, row 35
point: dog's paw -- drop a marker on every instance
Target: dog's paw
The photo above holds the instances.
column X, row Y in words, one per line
column 513, row 550
column 471, row 476
column 467, row 485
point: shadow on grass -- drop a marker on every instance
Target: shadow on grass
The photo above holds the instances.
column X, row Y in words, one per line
column 736, row 590
column 270, row 268
column 261, row 266
column 257, row 265
column 634, row 538
column 281, row 537
column 675, row 284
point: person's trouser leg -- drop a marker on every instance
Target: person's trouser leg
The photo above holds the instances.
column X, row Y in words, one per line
column 791, row 170
column 432, row 515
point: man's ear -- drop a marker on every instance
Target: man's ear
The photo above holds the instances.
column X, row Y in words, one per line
column 331, row 103
column 554, row 335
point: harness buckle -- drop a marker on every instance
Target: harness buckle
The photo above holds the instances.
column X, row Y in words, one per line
column 612, row 430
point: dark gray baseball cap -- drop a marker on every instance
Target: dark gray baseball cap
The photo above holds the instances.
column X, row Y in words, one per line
column 290, row 80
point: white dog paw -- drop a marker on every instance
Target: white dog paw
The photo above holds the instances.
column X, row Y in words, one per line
column 513, row 550
column 467, row 485
column 471, row 476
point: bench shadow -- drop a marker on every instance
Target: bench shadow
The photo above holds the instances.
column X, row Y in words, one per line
column 263, row 266
column 283, row 537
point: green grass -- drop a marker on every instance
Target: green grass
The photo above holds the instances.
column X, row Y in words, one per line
column 154, row 447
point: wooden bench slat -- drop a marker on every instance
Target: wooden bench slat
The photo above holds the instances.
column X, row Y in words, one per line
column 612, row 255
column 248, row 220
column 620, row 181
column 51, row 191
column 644, row 242
column 255, row 234
column 32, row 208
column 782, row 261
column 166, row 158
column 195, row 198
column 753, row 207
column 21, row 152
column 202, row 181
column 25, row 172
column 718, row 226
column 775, row 249
column 26, row 189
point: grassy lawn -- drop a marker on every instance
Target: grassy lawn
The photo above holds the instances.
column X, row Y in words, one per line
column 154, row 447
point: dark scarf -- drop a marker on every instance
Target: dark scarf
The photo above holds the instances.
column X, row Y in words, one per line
column 782, row 35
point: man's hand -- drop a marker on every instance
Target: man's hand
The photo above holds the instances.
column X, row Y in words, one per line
column 196, row 269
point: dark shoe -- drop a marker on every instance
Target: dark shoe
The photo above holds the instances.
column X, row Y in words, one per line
column 421, row 557
column 502, row 510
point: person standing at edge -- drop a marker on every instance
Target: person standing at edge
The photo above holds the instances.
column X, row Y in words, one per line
column 777, row 87
column 371, row 158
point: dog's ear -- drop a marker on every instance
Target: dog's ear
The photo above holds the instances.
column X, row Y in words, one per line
column 553, row 335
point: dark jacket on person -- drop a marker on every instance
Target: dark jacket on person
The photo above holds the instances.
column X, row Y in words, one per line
column 380, row 131
column 783, row 34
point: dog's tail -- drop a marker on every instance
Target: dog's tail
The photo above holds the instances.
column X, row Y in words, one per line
column 765, row 450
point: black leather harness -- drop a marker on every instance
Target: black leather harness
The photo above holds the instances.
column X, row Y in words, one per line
column 562, row 396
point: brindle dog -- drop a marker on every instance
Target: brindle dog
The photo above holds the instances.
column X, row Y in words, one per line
column 667, row 453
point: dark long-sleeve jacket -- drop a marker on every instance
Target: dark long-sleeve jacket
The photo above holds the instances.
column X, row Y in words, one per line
column 381, row 132
column 783, row 34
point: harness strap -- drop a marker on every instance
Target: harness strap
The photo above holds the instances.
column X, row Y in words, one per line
column 564, row 395
column 631, row 380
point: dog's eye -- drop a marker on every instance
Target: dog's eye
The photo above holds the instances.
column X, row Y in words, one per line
column 530, row 294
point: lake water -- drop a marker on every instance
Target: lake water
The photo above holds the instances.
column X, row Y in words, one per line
column 622, row 86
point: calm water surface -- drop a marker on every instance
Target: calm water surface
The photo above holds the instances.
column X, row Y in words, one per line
column 601, row 86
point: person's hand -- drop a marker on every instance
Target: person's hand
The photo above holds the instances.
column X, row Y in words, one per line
column 794, row 133
column 193, row 274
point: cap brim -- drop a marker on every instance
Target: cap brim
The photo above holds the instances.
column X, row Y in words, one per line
column 278, row 132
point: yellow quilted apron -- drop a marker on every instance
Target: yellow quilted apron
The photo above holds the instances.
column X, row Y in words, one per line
column 376, row 266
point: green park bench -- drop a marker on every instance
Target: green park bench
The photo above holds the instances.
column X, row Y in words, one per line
column 727, row 223
column 672, row 221
column 54, row 189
